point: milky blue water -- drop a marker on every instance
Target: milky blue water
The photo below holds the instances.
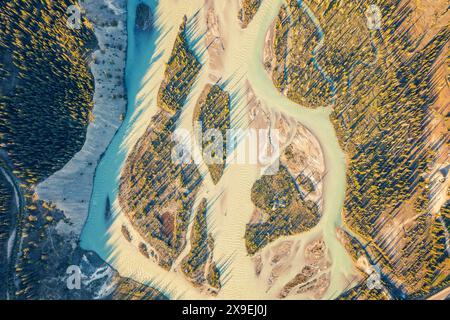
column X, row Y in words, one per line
column 140, row 52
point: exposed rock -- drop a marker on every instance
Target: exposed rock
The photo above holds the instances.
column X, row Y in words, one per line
column 144, row 17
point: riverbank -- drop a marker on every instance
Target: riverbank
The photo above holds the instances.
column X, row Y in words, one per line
column 70, row 188
column 231, row 207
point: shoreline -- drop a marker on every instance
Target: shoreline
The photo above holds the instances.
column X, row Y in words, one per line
column 71, row 187
column 233, row 209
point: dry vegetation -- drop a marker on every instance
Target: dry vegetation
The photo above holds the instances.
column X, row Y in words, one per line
column 156, row 193
column 198, row 264
column 248, row 11
column 284, row 208
column 213, row 111
column 387, row 89
column 382, row 113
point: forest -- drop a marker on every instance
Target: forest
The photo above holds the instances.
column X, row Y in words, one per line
column 284, row 207
column 213, row 112
column 46, row 86
column 380, row 85
column 248, row 11
column 157, row 193
column 200, row 255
